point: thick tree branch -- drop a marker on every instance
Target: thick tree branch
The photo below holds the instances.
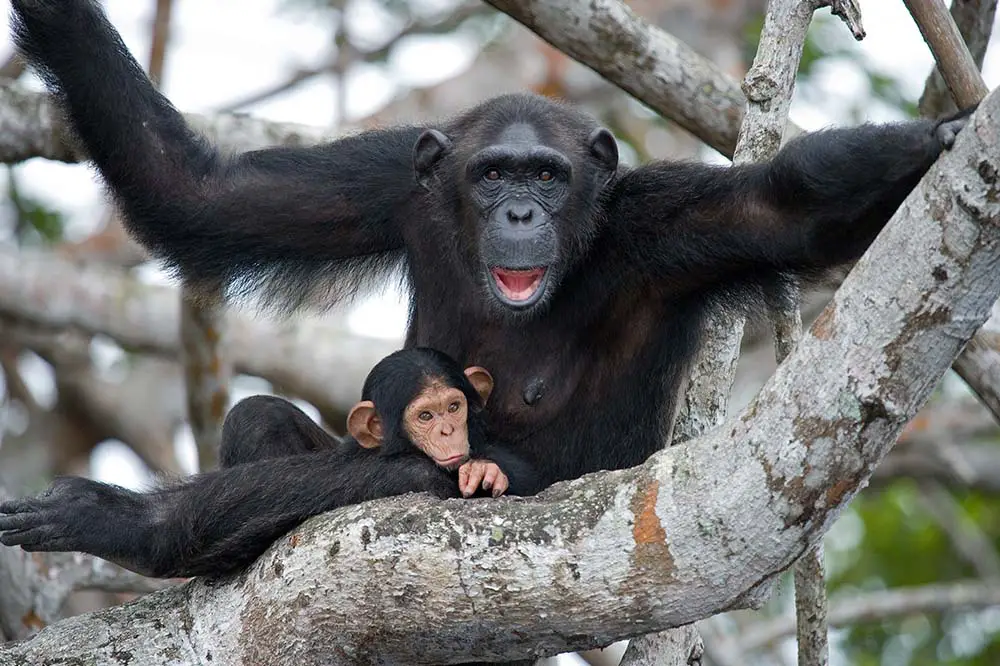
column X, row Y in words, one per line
column 318, row 361
column 649, row 63
column 694, row 531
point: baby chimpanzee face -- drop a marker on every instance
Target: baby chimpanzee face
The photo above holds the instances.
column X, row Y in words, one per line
column 436, row 421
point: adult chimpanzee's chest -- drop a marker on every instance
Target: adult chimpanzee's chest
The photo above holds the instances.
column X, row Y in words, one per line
column 561, row 375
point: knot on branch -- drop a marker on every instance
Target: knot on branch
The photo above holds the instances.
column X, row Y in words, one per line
column 759, row 86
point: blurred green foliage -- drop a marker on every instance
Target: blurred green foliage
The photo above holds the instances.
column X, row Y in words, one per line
column 33, row 221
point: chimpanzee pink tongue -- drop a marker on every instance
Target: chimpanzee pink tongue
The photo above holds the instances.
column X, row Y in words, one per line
column 518, row 285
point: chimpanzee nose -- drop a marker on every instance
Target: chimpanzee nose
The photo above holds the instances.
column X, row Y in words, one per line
column 447, row 429
column 519, row 213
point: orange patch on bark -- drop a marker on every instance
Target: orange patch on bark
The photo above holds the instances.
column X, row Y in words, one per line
column 647, row 528
column 651, row 549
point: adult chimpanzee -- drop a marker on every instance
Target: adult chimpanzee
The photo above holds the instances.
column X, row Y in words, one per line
column 419, row 427
column 529, row 250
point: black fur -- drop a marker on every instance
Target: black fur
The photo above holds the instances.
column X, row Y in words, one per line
column 587, row 376
column 219, row 521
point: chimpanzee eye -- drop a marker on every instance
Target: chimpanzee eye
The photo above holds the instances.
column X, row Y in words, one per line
column 425, row 416
column 453, row 407
column 493, row 174
column 545, row 176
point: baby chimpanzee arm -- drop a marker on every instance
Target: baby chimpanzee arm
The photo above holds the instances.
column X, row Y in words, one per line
column 213, row 523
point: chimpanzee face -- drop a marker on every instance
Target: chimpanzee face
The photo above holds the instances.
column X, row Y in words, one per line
column 436, row 421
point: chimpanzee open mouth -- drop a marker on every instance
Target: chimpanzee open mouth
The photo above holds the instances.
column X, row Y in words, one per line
column 520, row 287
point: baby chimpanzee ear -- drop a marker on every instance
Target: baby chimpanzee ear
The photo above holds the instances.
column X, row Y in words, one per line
column 364, row 425
column 481, row 380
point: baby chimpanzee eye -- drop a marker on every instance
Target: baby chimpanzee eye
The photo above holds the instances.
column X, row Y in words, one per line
column 425, row 416
column 545, row 176
column 453, row 407
column 493, row 174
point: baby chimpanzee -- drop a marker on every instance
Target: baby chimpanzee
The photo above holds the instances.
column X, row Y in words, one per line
column 419, row 428
column 420, row 401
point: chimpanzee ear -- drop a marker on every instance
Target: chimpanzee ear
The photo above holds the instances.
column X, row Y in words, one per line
column 481, row 380
column 364, row 425
column 431, row 146
column 604, row 147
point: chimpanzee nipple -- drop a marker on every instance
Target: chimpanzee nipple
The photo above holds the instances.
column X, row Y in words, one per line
column 533, row 391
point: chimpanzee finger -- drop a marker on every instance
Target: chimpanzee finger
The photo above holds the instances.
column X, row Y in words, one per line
column 475, row 478
column 501, row 485
column 18, row 521
column 16, row 506
column 26, row 538
column 491, row 476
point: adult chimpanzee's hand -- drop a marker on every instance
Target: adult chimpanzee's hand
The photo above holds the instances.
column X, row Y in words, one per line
column 947, row 130
column 485, row 472
column 77, row 514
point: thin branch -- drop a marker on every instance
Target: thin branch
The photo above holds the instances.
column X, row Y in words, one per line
column 956, row 64
column 812, row 630
column 206, row 370
column 979, row 366
column 768, row 87
column 974, row 19
column 882, row 605
column 207, row 373
column 160, row 39
column 441, row 25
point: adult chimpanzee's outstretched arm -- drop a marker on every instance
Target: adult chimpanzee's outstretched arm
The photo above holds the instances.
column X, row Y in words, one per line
column 286, row 215
column 213, row 523
column 820, row 202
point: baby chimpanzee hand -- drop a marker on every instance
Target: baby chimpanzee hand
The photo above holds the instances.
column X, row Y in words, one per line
column 486, row 472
